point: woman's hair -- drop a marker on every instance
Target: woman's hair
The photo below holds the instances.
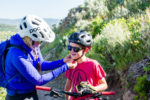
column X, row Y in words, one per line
column 28, row 41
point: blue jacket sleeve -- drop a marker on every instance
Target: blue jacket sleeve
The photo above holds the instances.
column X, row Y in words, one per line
column 26, row 69
column 49, row 65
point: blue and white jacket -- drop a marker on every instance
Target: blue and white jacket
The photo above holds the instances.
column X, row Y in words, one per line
column 21, row 68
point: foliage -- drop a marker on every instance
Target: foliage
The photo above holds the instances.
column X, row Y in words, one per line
column 95, row 8
column 142, row 87
column 4, row 27
column 116, row 31
column 136, row 5
column 83, row 25
column 2, row 93
column 120, row 42
column 97, row 26
column 120, row 11
column 5, row 35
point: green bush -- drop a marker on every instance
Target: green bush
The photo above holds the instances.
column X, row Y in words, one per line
column 120, row 42
column 2, row 93
column 97, row 26
column 5, row 35
column 142, row 87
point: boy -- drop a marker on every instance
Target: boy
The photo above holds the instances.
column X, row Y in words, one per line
column 87, row 70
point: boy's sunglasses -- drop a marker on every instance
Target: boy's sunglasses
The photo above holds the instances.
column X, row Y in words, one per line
column 75, row 49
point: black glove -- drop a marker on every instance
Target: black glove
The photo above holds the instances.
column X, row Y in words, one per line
column 84, row 88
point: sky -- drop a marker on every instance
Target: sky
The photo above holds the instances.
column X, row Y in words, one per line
column 58, row 9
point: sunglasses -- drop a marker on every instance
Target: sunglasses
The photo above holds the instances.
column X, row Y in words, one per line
column 75, row 49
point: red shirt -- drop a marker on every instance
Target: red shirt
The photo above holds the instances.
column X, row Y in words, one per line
column 89, row 71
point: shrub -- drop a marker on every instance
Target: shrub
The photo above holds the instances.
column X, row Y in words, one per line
column 120, row 11
column 142, row 87
column 116, row 31
column 97, row 26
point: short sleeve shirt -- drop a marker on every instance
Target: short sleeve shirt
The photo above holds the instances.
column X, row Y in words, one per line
column 89, row 71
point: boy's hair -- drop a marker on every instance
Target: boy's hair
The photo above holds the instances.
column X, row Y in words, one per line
column 81, row 37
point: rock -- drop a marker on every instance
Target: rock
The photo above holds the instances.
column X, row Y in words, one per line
column 128, row 95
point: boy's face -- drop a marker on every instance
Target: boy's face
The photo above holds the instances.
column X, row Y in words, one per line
column 74, row 54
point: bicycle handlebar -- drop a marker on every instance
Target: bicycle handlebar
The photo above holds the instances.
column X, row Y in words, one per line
column 43, row 88
column 71, row 93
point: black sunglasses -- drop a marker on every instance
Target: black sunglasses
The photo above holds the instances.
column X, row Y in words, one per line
column 75, row 49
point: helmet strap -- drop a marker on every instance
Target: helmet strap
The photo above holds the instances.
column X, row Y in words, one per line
column 86, row 49
column 33, row 43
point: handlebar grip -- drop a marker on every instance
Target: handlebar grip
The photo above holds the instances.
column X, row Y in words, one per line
column 108, row 93
column 43, row 88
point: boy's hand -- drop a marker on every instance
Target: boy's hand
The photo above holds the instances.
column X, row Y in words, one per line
column 84, row 88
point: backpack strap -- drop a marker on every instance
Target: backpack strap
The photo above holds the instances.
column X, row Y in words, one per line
column 21, row 48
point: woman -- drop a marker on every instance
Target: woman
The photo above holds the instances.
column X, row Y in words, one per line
column 22, row 66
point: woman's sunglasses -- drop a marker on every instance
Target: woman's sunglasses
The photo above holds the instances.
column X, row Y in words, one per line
column 39, row 42
column 75, row 49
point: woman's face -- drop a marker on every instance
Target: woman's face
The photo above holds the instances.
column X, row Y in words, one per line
column 76, row 50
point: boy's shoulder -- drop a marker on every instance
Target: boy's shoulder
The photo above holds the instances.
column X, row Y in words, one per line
column 92, row 61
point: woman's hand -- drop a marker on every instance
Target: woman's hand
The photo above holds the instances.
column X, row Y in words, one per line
column 71, row 64
column 67, row 59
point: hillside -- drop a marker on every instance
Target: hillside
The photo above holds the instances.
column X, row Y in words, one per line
column 120, row 31
column 14, row 22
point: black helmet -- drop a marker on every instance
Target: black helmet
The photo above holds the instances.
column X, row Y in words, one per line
column 81, row 37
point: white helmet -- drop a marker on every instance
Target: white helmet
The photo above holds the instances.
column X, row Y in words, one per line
column 36, row 28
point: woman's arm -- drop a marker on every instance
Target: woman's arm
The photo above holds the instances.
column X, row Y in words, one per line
column 68, row 87
column 26, row 69
column 50, row 65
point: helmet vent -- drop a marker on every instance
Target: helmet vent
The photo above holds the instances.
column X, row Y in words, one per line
column 35, row 23
column 25, row 25
column 20, row 27
column 45, row 30
column 89, row 41
column 41, row 34
column 35, row 35
column 38, row 20
column 82, row 36
column 24, row 18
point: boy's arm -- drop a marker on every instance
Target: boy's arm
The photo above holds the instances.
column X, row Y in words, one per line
column 102, row 85
column 68, row 87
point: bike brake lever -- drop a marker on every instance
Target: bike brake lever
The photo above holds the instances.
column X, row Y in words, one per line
column 96, row 95
column 75, row 95
column 55, row 93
